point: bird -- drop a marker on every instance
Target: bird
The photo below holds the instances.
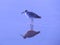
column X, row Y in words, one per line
column 30, row 33
column 31, row 14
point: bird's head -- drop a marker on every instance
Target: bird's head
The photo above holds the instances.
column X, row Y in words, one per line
column 25, row 11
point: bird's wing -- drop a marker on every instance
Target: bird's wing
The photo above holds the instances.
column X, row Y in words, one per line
column 34, row 15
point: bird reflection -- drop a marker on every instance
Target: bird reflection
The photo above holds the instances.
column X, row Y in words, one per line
column 30, row 33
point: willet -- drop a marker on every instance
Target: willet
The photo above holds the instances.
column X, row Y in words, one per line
column 31, row 15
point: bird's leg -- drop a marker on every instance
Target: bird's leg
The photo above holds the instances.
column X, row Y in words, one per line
column 31, row 25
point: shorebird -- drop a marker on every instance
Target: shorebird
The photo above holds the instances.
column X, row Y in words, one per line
column 31, row 15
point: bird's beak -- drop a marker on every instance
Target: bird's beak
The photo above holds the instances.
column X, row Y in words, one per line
column 22, row 12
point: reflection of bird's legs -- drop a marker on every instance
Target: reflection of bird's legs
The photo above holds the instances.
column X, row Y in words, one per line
column 31, row 25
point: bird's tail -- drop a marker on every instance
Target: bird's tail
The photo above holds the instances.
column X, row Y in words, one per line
column 38, row 32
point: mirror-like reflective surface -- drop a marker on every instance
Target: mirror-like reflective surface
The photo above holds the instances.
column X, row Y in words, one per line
column 13, row 23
